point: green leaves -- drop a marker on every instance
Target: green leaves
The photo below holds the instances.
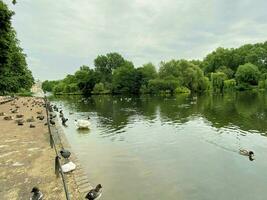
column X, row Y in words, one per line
column 14, row 74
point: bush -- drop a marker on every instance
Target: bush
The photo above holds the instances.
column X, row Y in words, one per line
column 157, row 86
column 217, row 81
column 100, row 89
column 229, row 85
column 182, row 89
column 247, row 74
column 59, row 88
column 71, row 88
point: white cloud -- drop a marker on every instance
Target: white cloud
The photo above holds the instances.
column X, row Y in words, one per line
column 64, row 34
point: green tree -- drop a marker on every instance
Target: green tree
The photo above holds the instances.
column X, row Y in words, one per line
column 126, row 79
column 247, row 75
column 14, row 74
column 105, row 64
column 217, row 81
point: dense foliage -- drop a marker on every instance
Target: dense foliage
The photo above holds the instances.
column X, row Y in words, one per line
column 222, row 70
column 14, row 74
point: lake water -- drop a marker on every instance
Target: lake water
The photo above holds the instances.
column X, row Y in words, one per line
column 181, row 147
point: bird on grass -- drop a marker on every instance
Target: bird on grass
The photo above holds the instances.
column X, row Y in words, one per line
column 37, row 194
column 94, row 193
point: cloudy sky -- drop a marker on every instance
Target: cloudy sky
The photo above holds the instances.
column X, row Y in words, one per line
column 60, row 35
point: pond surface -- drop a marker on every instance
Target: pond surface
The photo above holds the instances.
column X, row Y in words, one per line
column 181, row 147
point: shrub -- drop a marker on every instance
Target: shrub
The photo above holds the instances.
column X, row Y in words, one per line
column 247, row 74
column 217, row 81
column 181, row 89
column 229, row 85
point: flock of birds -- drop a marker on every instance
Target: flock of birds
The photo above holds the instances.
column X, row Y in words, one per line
column 93, row 194
column 80, row 123
column 19, row 118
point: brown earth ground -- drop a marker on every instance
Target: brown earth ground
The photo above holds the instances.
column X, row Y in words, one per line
column 26, row 158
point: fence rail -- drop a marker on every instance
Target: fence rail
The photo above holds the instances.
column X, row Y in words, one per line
column 58, row 167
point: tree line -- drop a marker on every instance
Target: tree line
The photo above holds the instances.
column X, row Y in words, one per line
column 14, row 73
column 224, row 69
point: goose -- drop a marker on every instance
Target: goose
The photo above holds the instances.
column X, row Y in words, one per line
column 94, row 193
column 82, row 124
column 37, row 194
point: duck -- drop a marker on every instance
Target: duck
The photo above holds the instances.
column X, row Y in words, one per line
column 248, row 153
column 94, row 193
column 82, row 124
column 37, row 194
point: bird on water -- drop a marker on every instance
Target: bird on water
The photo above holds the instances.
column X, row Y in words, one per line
column 94, row 193
column 37, row 194
column 245, row 152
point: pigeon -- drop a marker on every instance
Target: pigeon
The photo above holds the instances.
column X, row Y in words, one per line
column 64, row 120
column 14, row 111
column 52, row 122
column 2, row 114
column 40, row 117
column 30, row 119
column 94, row 193
column 37, row 194
column 65, row 153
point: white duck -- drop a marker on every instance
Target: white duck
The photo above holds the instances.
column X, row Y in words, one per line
column 82, row 124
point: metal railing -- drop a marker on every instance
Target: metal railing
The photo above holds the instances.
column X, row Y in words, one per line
column 58, row 167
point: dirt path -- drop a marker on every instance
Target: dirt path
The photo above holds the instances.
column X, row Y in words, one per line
column 26, row 159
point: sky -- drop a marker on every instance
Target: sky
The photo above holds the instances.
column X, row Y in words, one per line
column 59, row 36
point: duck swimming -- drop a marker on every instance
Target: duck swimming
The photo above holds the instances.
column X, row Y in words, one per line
column 94, row 193
column 245, row 152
